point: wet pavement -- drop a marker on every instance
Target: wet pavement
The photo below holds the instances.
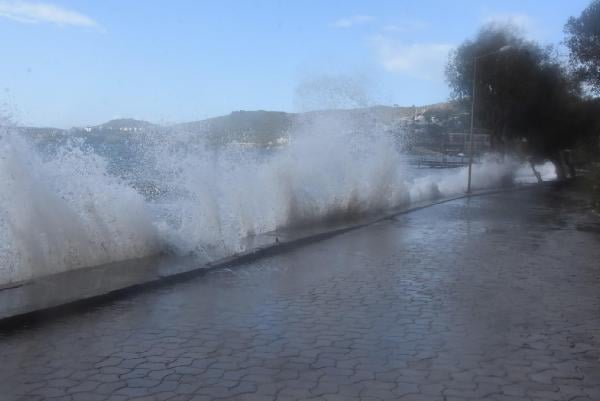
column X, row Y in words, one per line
column 489, row 298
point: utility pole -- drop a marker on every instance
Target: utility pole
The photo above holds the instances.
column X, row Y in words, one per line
column 475, row 60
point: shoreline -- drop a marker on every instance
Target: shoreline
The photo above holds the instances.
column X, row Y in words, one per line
column 90, row 285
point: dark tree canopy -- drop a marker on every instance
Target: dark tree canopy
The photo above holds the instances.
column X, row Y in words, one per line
column 523, row 95
column 459, row 71
column 509, row 84
column 583, row 40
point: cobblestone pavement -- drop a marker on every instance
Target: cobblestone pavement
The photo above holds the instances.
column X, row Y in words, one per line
column 492, row 298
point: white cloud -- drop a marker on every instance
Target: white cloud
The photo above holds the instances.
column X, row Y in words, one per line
column 349, row 22
column 32, row 12
column 418, row 60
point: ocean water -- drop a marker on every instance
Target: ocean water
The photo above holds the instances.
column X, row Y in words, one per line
column 66, row 204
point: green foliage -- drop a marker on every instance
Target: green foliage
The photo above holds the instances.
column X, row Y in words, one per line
column 523, row 95
column 583, row 40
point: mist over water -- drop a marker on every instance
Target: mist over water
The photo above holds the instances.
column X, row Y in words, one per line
column 65, row 206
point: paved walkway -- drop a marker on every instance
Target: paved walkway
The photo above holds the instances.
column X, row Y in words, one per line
column 492, row 298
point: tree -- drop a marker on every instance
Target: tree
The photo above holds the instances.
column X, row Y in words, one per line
column 583, row 41
column 524, row 96
column 554, row 118
column 502, row 78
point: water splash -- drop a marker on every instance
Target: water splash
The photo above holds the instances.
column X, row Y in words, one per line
column 69, row 207
column 65, row 212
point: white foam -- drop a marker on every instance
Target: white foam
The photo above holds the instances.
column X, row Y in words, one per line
column 63, row 210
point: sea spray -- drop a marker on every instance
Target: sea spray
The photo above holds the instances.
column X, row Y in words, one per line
column 64, row 206
column 330, row 170
column 65, row 212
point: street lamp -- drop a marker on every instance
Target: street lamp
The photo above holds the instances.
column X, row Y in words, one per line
column 475, row 60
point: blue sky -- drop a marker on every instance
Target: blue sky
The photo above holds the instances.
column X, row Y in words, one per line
column 66, row 63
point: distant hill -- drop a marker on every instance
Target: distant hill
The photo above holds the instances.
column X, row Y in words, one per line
column 123, row 125
column 258, row 128
column 267, row 127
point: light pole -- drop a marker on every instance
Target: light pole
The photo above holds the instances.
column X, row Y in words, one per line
column 475, row 60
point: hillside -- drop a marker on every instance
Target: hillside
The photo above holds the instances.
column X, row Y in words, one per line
column 267, row 128
column 259, row 127
column 124, row 124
